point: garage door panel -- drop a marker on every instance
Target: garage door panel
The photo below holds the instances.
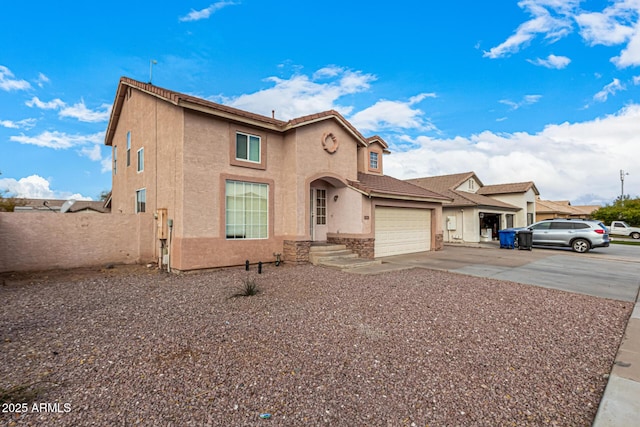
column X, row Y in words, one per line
column 402, row 230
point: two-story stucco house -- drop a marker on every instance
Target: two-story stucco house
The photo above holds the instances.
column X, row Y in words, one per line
column 225, row 185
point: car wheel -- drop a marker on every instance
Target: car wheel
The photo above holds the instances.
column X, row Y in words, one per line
column 635, row 235
column 580, row 245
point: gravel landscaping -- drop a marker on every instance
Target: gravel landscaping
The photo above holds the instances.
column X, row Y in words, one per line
column 134, row 346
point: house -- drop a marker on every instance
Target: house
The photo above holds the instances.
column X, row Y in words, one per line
column 548, row 209
column 226, row 186
column 479, row 211
column 60, row 206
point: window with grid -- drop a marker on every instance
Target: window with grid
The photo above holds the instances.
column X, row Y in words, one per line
column 321, row 207
column 141, row 160
column 247, row 147
column 373, row 160
column 141, row 200
column 246, row 210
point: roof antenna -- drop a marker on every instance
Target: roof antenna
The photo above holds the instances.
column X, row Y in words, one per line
column 46, row 203
column 273, row 114
column 151, row 62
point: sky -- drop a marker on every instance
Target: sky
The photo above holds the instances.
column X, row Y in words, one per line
column 533, row 90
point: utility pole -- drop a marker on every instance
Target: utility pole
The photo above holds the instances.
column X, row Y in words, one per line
column 622, row 175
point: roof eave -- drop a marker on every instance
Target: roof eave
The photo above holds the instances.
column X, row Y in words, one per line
column 228, row 115
column 396, row 196
column 361, row 140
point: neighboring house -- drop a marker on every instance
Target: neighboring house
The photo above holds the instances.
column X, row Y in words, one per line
column 226, row 185
column 479, row 212
column 548, row 209
column 56, row 205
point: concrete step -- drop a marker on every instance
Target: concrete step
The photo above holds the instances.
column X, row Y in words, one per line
column 327, row 256
column 337, row 256
column 348, row 263
column 326, row 247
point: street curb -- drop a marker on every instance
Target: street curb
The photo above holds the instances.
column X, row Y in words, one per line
column 620, row 403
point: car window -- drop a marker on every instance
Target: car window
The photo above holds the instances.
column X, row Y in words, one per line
column 541, row 226
column 579, row 225
column 561, row 225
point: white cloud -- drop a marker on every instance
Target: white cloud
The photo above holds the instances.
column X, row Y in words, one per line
column 20, row 124
column 566, row 161
column 542, row 22
column 552, row 61
column 93, row 152
column 610, row 89
column 603, row 27
column 59, row 140
column 51, row 105
column 636, row 80
column 393, row 115
column 196, row 15
column 301, row 95
column 82, row 113
column 77, row 111
column 36, row 187
column 615, row 25
column 630, row 55
column 42, row 79
column 526, row 100
column 8, row 82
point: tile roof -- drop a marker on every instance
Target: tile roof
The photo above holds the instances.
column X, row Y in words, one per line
column 564, row 207
column 443, row 183
column 514, row 187
column 231, row 113
column 386, row 186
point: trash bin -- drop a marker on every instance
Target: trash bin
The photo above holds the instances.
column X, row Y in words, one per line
column 525, row 239
column 507, row 238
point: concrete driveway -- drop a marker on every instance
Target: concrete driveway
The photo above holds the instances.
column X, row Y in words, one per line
column 612, row 272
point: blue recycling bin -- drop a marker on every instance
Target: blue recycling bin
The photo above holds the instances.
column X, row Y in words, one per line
column 507, row 238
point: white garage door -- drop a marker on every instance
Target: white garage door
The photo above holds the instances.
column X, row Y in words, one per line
column 402, row 231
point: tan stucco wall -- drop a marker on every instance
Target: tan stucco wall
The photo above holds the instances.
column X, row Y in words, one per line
column 43, row 241
column 195, row 154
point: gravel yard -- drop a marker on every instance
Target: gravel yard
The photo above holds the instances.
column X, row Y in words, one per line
column 134, row 346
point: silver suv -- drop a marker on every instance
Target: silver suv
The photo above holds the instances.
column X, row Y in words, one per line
column 578, row 234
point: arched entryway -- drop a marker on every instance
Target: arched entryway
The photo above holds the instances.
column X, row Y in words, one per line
column 324, row 195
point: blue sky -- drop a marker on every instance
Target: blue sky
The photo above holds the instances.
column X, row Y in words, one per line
column 533, row 90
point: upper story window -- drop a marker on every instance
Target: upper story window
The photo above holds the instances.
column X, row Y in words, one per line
column 115, row 159
column 128, row 148
column 141, row 160
column 248, row 147
column 141, row 200
column 471, row 184
column 373, row 160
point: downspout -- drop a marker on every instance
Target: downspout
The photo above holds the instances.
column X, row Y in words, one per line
column 462, row 210
column 170, row 223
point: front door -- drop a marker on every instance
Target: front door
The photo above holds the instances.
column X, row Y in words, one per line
column 318, row 214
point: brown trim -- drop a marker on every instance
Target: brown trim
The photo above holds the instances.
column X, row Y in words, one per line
column 235, row 129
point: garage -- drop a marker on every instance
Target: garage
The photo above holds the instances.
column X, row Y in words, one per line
column 401, row 230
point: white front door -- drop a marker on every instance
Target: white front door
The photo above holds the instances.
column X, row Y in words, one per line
column 318, row 214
